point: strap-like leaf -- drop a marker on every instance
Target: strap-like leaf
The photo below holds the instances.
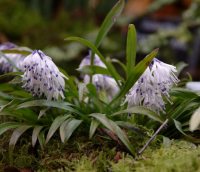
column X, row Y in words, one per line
column 36, row 132
column 16, row 135
column 109, row 21
column 55, row 125
column 131, row 49
column 87, row 43
column 56, row 104
column 7, row 126
column 69, row 127
column 141, row 110
column 111, row 125
column 93, row 127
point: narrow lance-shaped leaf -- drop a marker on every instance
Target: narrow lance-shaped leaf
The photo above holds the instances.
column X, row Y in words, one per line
column 178, row 126
column 36, row 132
column 10, row 74
column 55, row 125
column 110, row 68
column 135, row 74
column 69, row 128
column 7, row 126
column 131, row 49
column 16, row 135
column 93, row 126
column 109, row 21
column 115, row 129
column 141, row 110
column 56, row 104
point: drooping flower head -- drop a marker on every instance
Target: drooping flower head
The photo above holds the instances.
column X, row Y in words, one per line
column 102, row 82
column 42, row 77
column 9, row 62
column 154, row 84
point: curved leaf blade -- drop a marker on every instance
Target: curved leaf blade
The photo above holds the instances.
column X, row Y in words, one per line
column 93, row 127
column 87, row 43
column 141, row 110
column 111, row 125
column 109, row 21
column 56, row 104
column 35, row 134
column 7, row 126
column 16, row 135
column 131, row 49
column 55, row 125
column 69, row 128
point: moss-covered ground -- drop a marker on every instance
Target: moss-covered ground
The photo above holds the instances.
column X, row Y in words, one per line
column 81, row 155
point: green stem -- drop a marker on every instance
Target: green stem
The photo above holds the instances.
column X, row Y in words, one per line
column 92, row 64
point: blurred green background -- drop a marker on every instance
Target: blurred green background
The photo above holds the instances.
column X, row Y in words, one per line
column 171, row 25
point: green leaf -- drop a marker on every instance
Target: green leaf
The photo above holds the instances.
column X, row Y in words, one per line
column 123, row 137
column 41, row 138
column 6, row 105
column 103, row 119
column 195, row 120
column 36, row 132
column 119, row 63
column 93, row 127
column 91, row 70
column 21, row 50
column 55, row 125
column 183, row 93
column 68, row 128
column 16, row 135
column 109, row 21
column 56, row 104
column 130, row 127
column 10, row 74
column 43, row 112
column 7, row 126
column 115, row 129
column 131, row 49
column 62, row 129
column 110, row 68
column 141, row 110
column 92, row 93
column 135, row 74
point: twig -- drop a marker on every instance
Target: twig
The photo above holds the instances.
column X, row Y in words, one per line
column 153, row 137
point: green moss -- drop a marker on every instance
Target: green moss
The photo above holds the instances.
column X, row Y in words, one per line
column 178, row 156
column 82, row 155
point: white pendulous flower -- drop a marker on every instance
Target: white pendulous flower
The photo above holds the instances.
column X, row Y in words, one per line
column 10, row 62
column 102, row 82
column 42, row 77
column 155, row 82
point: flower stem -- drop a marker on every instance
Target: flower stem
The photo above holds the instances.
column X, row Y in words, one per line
column 91, row 63
column 153, row 137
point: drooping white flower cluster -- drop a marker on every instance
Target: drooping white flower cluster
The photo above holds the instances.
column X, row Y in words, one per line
column 10, row 62
column 155, row 82
column 101, row 82
column 42, row 77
